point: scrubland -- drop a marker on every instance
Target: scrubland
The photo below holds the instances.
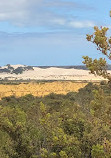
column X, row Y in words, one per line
column 76, row 125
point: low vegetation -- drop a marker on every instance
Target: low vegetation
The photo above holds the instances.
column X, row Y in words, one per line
column 76, row 125
column 38, row 88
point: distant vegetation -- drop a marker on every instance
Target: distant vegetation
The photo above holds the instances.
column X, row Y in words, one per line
column 65, row 67
column 18, row 70
column 82, row 67
column 76, row 125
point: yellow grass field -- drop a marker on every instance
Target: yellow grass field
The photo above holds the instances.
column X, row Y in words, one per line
column 40, row 89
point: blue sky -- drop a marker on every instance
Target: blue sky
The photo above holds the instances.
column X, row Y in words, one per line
column 50, row 32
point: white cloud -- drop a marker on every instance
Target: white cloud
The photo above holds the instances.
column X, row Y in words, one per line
column 81, row 24
column 40, row 12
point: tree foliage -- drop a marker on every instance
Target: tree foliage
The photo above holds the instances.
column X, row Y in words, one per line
column 103, row 43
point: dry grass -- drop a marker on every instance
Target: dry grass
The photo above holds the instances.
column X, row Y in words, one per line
column 40, row 89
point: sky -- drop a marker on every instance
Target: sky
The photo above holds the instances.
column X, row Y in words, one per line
column 50, row 32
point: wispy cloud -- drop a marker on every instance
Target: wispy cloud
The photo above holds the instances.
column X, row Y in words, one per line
column 46, row 13
column 81, row 24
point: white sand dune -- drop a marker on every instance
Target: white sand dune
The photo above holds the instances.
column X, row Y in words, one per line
column 51, row 73
column 16, row 66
